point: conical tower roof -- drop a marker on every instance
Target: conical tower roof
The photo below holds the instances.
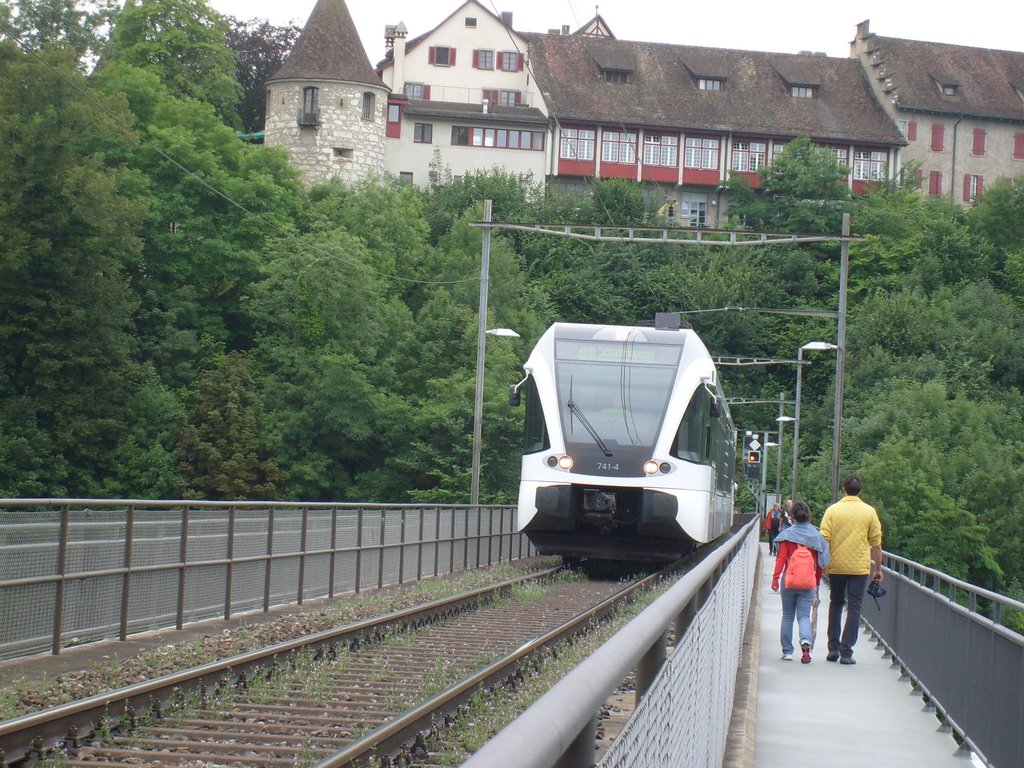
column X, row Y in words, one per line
column 329, row 48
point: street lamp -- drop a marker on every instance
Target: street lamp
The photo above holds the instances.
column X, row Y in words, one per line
column 478, row 407
column 782, row 419
column 811, row 346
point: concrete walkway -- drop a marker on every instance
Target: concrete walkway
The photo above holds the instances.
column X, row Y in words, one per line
column 826, row 714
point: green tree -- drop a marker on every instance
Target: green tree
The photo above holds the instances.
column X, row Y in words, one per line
column 220, row 455
column 184, row 42
column 81, row 26
column 70, row 223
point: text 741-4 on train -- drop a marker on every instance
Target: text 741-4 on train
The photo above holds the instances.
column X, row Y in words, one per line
column 630, row 446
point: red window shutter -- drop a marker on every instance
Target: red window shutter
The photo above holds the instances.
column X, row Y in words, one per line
column 1018, row 146
column 491, row 96
column 519, row 97
column 501, row 60
column 919, row 179
column 912, row 131
column 938, row 136
column 519, row 63
column 431, row 54
column 426, row 93
column 967, row 188
column 476, row 58
column 981, row 183
column 451, row 57
column 979, row 142
column 935, row 183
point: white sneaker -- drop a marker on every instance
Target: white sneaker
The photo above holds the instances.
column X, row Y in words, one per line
column 787, row 657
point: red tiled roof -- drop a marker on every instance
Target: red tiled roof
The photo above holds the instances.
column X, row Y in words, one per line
column 987, row 81
column 754, row 99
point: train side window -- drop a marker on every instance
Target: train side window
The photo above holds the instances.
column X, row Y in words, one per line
column 693, row 436
column 536, row 429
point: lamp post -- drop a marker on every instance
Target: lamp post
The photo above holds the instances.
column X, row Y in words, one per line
column 811, row 345
column 478, row 407
column 782, row 419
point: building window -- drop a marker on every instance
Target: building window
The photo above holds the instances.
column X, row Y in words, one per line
column 709, row 84
column 405, row 178
column 978, row 147
column 393, row 129
column 908, row 128
column 972, row 188
column 414, row 91
column 935, row 183
column 938, row 137
column 369, row 104
column 310, row 114
column 748, row 156
column 577, row 144
column 423, row 133
column 694, row 209
column 869, row 165
column 441, row 56
column 949, row 90
column 508, row 98
column 483, row 59
column 840, row 154
column 471, row 21
column 801, row 91
column 701, row 153
column 618, row 147
column 777, row 149
column 344, row 153
column 510, row 61
column 615, row 75
column 500, row 138
column 661, row 150
column 1018, row 146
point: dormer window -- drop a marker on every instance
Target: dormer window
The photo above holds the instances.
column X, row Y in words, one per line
column 615, row 75
column 709, row 83
column 801, row 91
column 948, row 89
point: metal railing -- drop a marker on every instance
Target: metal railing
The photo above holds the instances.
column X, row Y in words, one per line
column 81, row 570
column 683, row 703
column 948, row 639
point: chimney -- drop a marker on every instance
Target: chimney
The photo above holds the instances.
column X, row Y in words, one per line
column 484, row 104
column 394, row 36
column 565, row 29
column 506, row 18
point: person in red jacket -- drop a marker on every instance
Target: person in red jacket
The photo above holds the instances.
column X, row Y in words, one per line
column 797, row 603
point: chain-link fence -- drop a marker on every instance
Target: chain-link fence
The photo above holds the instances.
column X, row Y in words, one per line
column 80, row 570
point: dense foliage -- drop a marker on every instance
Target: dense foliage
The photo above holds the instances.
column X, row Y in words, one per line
column 180, row 317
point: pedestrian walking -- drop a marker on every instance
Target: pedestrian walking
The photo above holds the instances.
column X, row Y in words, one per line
column 854, row 534
column 803, row 554
column 771, row 522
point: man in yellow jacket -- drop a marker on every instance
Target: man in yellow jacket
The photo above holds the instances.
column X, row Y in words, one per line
column 854, row 536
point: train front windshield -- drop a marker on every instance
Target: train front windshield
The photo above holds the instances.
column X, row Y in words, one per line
column 619, row 389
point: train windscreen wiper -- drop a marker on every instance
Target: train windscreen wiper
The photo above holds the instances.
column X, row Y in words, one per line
column 575, row 410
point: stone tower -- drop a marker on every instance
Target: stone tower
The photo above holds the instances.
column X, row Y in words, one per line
column 326, row 105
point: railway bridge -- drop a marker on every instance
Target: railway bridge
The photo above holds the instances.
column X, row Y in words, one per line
column 939, row 679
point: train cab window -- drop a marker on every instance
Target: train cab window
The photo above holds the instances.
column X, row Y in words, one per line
column 536, row 430
column 693, row 437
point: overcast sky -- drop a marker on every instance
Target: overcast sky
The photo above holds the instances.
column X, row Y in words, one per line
column 787, row 26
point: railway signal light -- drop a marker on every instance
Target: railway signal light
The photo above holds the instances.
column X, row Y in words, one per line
column 753, row 457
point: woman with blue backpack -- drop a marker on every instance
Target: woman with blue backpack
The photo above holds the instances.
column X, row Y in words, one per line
column 802, row 554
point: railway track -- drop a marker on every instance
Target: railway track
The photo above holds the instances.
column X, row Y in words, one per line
column 329, row 699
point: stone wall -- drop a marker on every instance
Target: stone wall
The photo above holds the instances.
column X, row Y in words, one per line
column 343, row 144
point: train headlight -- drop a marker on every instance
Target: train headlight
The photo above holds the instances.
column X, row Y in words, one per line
column 650, row 467
column 565, row 462
column 665, row 467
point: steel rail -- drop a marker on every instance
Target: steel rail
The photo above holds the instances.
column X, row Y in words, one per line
column 40, row 731
column 403, row 730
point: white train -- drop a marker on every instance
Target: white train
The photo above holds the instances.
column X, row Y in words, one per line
column 630, row 446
